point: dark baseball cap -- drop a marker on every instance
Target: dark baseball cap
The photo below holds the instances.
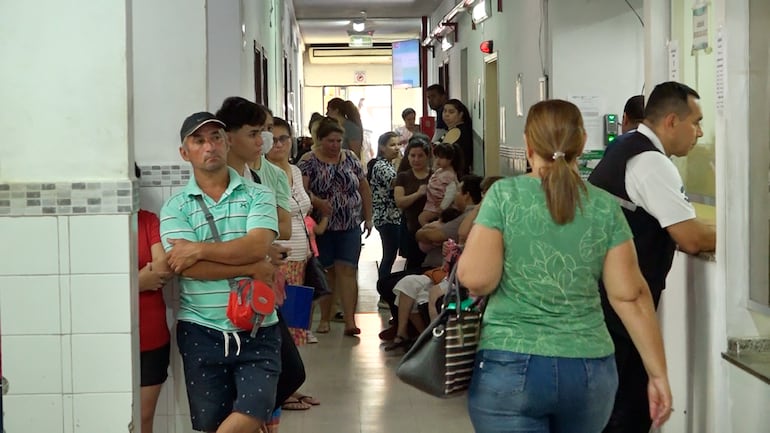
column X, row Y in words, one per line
column 195, row 121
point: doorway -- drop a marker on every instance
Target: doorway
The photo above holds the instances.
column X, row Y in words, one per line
column 375, row 107
column 491, row 146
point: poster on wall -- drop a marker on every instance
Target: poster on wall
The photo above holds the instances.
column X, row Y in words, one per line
column 591, row 107
column 700, row 27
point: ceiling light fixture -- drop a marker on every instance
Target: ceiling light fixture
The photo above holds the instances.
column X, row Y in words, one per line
column 359, row 25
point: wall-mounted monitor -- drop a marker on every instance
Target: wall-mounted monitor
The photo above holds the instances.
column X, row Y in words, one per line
column 406, row 63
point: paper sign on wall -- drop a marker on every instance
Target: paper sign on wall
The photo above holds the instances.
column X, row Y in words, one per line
column 721, row 72
column 700, row 27
column 673, row 60
column 591, row 107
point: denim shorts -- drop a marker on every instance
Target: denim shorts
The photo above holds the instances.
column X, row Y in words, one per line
column 515, row 392
column 230, row 372
column 340, row 246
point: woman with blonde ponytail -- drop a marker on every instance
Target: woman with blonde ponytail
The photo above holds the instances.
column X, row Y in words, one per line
column 545, row 360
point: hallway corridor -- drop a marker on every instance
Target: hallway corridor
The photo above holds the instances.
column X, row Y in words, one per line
column 356, row 383
column 355, row 379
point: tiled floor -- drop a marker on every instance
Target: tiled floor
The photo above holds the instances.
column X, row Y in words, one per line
column 355, row 379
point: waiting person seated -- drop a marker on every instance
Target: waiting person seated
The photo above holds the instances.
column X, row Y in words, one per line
column 446, row 216
column 468, row 197
column 451, row 251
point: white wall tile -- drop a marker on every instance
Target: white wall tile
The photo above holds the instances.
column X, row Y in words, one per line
column 30, row 246
column 99, row 244
column 161, row 424
column 100, row 303
column 179, row 404
column 29, row 305
column 165, row 398
column 65, row 303
column 63, row 223
column 33, row 413
column 151, row 198
column 32, row 364
column 173, row 190
column 66, row 364
column 101, row 363
column 68, row 425
column 103, row 413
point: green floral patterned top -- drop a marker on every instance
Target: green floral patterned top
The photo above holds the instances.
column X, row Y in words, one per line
column 547, row 302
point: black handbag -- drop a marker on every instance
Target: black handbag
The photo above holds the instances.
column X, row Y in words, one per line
column 315, row 274
column 315, row 277
column 440, row 362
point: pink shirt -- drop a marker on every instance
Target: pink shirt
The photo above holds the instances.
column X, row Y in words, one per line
column 310, row 224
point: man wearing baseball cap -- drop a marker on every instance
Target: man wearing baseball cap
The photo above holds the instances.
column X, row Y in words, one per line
column 231, row 377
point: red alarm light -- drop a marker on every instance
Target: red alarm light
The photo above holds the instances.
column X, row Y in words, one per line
column 486, row 47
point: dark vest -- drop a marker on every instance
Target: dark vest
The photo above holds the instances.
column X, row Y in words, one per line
column 654, row 246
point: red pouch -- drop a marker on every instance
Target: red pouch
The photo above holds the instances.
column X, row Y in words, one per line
column 250, row 301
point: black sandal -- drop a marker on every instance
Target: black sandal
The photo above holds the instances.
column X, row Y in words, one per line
column 398, row 343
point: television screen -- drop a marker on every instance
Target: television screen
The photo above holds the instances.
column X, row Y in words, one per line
column 406, row 63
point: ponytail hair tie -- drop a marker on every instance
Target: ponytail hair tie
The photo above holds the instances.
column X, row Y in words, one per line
column 557, row 155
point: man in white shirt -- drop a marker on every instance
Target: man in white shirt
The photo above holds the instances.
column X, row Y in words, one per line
column 640, row 173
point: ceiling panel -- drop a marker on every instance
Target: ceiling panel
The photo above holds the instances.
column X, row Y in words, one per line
column 331, row 9
column 328, row 21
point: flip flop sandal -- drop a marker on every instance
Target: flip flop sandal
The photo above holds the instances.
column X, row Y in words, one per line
column 323, row 328
column 309, row 399
column 295, row 404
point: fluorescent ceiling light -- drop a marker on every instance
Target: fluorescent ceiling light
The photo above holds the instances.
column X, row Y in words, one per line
column 479, row 13
column 446, row 44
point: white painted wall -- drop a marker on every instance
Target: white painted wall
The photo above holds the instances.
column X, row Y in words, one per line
column 226, row 44
column 169, row 52
column 748, row 402
column 343, row 74
column 597, row 50
column 65, row 92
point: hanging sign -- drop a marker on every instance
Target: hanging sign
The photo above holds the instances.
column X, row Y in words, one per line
column 700, row 28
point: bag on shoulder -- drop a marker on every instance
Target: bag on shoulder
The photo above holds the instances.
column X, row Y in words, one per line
column 250, row 300
column 249, row 303
column 315, row 277
column 440, row 362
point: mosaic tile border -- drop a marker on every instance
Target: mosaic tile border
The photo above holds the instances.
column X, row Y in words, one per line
column 745, row 345
column 164, row 175
column 68, row 198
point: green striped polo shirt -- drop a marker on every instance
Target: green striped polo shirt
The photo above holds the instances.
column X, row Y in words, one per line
column 275, row 178
column 241, row 208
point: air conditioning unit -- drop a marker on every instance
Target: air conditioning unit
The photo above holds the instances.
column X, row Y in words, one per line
column 344, row 54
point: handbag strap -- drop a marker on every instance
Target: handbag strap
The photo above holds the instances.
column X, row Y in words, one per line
column 304, row 226
column 214, row 231
column 454, row 286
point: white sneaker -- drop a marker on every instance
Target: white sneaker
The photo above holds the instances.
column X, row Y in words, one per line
column 311, row 338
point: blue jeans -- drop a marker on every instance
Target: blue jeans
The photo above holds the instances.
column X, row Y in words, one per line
column 389, row 235
column 515, row 392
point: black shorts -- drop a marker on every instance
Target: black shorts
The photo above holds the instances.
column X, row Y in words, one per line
column 154, row 365
column 225, row 374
